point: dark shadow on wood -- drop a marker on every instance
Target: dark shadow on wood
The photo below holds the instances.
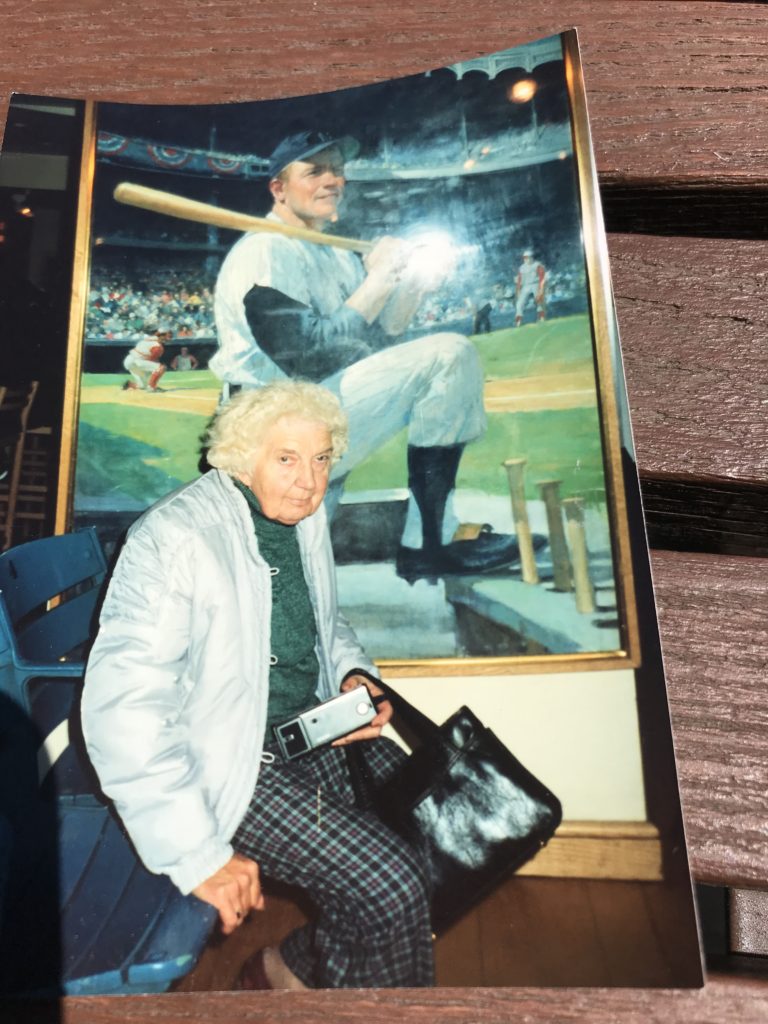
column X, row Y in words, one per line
column 717, row 516
column 704, row 211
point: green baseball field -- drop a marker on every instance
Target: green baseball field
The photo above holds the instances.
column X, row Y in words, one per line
column 540, row 395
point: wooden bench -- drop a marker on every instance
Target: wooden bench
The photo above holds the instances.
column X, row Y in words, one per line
column 676, row 94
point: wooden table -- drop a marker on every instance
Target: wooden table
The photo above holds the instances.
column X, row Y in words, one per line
column 677, row 94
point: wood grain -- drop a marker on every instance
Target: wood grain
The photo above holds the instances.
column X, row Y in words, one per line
column 713, row 613
column 693, row 318
column 723, row 999
column 676, row 88
column 614, row 850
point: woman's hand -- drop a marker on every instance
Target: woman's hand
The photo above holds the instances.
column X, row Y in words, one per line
column 383, row 714
column 234, row 890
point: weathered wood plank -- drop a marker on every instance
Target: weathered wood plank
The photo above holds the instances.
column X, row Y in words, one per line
column 677, row 88
column 713, row 614
column 693, row 319
column 722, row 999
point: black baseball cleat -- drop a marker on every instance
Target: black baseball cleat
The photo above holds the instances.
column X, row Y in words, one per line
column 486, row 552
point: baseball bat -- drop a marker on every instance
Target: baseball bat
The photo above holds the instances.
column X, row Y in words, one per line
column 173, row 205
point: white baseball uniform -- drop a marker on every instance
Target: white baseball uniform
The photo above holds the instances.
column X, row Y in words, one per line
column 143, row 360
column 431, row 385
column 531, row 278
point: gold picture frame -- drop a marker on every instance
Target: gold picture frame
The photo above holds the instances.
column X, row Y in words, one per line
column 622, row 643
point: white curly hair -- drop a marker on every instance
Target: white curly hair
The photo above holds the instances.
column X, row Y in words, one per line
column 238, row 427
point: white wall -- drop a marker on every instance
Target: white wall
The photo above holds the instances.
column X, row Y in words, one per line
column 577, row 731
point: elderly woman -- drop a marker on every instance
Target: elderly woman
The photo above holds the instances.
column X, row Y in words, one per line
column 221, row 620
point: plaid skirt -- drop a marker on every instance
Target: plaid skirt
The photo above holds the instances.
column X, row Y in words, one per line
column 372, row 927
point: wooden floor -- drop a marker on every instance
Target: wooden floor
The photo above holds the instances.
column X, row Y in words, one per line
column 532, row 931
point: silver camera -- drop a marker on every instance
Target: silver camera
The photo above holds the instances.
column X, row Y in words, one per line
column 324, row 723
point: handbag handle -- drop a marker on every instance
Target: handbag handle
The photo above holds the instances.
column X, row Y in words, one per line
column 422, row 727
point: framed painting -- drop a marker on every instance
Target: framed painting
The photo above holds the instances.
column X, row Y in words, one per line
column 506, row 363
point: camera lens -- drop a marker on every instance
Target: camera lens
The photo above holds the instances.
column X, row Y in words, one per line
column 293, row 741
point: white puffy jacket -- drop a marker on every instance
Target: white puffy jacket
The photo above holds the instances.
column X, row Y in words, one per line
column 175, row 699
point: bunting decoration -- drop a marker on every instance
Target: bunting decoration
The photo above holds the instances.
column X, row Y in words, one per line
column 131, row 152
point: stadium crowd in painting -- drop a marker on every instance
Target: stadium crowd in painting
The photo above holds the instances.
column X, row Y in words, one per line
column 121, row 304
column 123, row 301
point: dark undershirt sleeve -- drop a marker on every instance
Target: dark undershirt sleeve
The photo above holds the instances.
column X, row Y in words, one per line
column 303, row 343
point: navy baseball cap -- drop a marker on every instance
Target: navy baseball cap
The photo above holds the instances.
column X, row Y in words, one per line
column 305, row 144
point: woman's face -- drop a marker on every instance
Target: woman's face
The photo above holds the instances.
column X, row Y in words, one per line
column 289, row 475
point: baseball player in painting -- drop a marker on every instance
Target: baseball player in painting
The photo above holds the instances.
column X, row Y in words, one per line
column 531, row 282
column 143, row 361
column 184, row 360
column 287, row 307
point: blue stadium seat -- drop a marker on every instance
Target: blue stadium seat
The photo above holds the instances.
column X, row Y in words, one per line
column 49, row 590
column 79, row 914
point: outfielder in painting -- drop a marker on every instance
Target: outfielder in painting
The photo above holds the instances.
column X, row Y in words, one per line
column 287, row 307
column 202, row 647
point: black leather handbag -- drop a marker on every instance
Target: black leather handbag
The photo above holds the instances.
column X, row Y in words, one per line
column 475, row 812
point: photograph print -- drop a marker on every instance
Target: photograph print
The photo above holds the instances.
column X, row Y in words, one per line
column 430, row 250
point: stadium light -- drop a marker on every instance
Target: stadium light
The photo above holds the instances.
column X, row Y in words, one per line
column 522, row 91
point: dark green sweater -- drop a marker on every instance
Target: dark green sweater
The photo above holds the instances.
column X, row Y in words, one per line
column 293, row 677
